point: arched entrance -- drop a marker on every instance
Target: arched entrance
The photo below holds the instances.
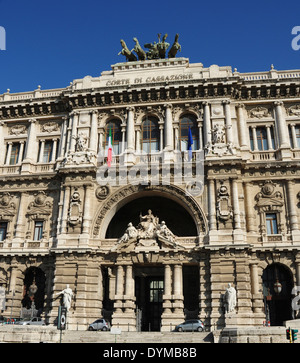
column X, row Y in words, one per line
column 156, row 284
column 277, row 287
column 34, row 289
column 176, row 217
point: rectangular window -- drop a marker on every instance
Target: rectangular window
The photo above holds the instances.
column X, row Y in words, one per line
column 3, row 230
column 14, row 156
column 38, row 230
column 297, row 131
column 271, row 220
column 262, row 141
column 47, row 154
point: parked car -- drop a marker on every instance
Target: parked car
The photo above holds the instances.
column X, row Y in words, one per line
column 32, row 321
column 100, row 324
column 190, row 325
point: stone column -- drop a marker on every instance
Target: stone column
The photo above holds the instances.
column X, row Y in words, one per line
column 31, row 144
column 138, row 139
column 249, row 208
column 54, row 151
column 63, row 137
column 256, row 296
column 2, row 144
column 254, row 137
column 94, row 131
column 269, row 138
column 130, row 129
column 87, row 209
column 281, row 126
column 20, row 223
column 242, row 126
column 41, row 151
column 294, row 137
column 21, row 154
column 65, row 207
column 8, row 153
column 75, row 118
column 211, row 204
column 228, row 121
column 292, row 205
column 178, row 292
column 236, row 207
column 167, row 290
column 206, row 123
column 119, row 289
column 169, row 144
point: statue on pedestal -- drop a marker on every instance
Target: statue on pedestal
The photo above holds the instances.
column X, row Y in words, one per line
column 230, row 299
column 67, row 297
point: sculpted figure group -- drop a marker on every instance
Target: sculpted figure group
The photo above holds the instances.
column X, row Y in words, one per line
column 156, row 50
column 148, row 228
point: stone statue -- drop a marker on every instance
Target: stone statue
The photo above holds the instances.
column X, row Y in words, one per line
column 163, row 231
column 67, row 297
column 127, row 53
column 175, row 48
column 153, row 50
column 147, row 225
column 230, row 299
column 80, row 140
column 139, row 51
column 162, row 47
column 218, row 134
column 147, row 234
column 130, row 232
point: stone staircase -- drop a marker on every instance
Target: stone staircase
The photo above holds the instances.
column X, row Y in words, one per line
column 34, row 334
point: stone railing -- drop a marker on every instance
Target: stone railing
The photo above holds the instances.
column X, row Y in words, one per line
column 272, row 74
column 22, row 96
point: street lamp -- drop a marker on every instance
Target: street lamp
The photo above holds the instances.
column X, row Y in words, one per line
column 277, row 287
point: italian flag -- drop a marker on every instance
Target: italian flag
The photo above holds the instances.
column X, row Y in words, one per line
column 109, row 153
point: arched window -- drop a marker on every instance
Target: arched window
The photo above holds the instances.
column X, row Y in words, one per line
column 186, row 122
column 150, row 135
column 116, row 136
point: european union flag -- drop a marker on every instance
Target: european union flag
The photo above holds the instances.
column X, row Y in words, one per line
column 190, row 143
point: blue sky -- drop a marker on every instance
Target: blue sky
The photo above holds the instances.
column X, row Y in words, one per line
column 50, row 43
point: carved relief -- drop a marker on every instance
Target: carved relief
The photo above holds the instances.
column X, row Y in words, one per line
column 259, row 112
column 75, row 212
column 102, row 192
column 224, row 209
column 17, row 130
column 49, row 127
column 40, row 208
column 269, row 200
column 149, row 235
column 293, row 110
column 7, row 207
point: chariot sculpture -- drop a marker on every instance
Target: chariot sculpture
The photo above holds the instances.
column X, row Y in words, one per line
column 156, row 50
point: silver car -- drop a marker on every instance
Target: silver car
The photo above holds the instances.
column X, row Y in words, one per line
column 32, row 321
column 190, row 325
column 100, row 324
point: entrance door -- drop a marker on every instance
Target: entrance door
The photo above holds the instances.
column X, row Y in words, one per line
column 149, row 300
column 154, row 303
column 277, row 301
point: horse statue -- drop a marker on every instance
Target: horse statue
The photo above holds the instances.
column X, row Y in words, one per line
column 175, row 48
column 127, row 53
column 139, row 51
column 163, row 46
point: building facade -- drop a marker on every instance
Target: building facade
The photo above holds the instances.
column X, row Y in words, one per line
column 156, row 237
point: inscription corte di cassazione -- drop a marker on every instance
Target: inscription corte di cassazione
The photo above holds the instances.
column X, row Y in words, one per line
column 157, row 79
